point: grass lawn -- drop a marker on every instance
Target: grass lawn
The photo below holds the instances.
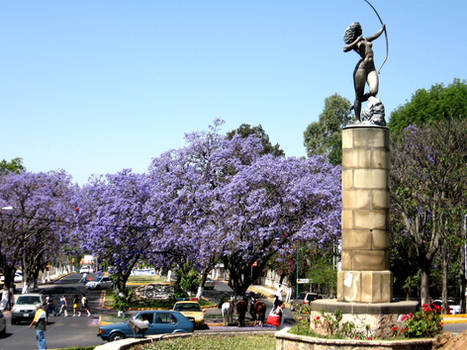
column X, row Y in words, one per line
column 151, row 304
column 244, row 342
column 78, row 348
column 147, row 279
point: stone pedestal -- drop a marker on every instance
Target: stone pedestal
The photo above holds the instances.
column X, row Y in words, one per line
column 364, row 286
column 365, row 276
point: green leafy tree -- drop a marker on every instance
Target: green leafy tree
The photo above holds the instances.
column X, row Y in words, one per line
column 15, row 165
column 427, row 163
column 246, row 130
column 323, row 272
column 439, row 102
column 324, row 136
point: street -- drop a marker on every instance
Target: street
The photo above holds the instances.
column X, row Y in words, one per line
column 73, row 331
column 61, row 331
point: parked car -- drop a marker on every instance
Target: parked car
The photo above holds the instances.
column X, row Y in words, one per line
column 302, row 300
column 158, row 322
column 453, row 308
column 86, row 269
column 209, row 284
column 99, row 283
column 25, row 307
column 2, row 324
column 18, row 277
column 191, row 310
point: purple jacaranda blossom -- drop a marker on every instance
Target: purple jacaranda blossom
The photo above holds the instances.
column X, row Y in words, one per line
column 39, row 222
column 115, row 222
column 228, row 203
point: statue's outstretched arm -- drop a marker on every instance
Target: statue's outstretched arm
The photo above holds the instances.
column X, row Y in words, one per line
column 352, row 45
column 376, row 35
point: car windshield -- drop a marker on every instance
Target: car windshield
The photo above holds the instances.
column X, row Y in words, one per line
column 187, row 307
column 301, row 296
column 28, row 299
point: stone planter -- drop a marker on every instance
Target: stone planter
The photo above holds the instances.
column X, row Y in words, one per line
column 287, row 341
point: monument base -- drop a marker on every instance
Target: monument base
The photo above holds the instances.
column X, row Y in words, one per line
column 364, row 286
column 375, row 319
column 287, row 341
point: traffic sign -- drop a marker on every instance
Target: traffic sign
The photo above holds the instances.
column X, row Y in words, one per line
column 303, row 280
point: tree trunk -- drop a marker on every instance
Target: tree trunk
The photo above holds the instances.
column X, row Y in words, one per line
column 444, row 292
column 462, row 280
column 204, row 276
column 425, row 286
column 9, row 278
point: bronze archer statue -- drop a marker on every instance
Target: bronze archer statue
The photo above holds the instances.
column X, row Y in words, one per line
column 365, row 71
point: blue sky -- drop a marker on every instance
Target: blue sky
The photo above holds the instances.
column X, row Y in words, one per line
column 93, row 87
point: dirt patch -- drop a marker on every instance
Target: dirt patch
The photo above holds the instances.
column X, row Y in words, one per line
column 449, row 341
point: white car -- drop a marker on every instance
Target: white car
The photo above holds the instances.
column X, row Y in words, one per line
column 86, row 269
column 25, row 307
column 18, row 277
column 99, row 283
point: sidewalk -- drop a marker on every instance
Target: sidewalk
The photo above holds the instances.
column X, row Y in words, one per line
column 267, row 292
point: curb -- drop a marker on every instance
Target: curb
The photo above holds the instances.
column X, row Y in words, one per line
column 454, row 321
column 454, row 316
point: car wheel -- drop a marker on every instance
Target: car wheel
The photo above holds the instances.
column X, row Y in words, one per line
column 116, row 336
column 13, row 321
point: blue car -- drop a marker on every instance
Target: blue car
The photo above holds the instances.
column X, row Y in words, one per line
column 147, row 323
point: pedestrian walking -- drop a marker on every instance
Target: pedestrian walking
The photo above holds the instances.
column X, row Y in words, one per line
column 278, row 297
column 288, row 295
column 40, row 323
column 280, row 311
column 11, row 298
column 84, row 279
column 63, row 306
column 84, row 306
column 4, row 301
column 75, row 304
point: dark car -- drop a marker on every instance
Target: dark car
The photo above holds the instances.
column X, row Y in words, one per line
column 157, row 322
column 209, row 284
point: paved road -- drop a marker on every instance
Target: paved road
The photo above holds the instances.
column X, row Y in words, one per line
column 455, row 328
column 73, row 331
column 61, row 332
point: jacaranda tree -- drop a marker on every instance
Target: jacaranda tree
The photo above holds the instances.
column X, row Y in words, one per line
column 36, row 223
column 115, row 222
column 272, row 206
column 193, row 178
column 231, row 204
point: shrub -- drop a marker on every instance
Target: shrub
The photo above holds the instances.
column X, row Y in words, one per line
column 424, row 323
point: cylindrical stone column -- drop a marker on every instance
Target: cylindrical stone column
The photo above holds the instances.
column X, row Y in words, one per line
column 365, row 275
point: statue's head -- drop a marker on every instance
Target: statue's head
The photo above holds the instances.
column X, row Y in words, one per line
column 352, row 32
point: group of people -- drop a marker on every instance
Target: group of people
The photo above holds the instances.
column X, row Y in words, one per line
column 278, row 306
column 42, row 314
column 80, row 305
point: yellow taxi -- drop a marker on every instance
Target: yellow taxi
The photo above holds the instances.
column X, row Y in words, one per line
column 191, row 310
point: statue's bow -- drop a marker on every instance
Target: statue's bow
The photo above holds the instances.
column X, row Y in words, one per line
column 385, row 34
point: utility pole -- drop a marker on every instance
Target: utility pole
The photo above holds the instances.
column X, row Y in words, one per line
column 296, row 280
